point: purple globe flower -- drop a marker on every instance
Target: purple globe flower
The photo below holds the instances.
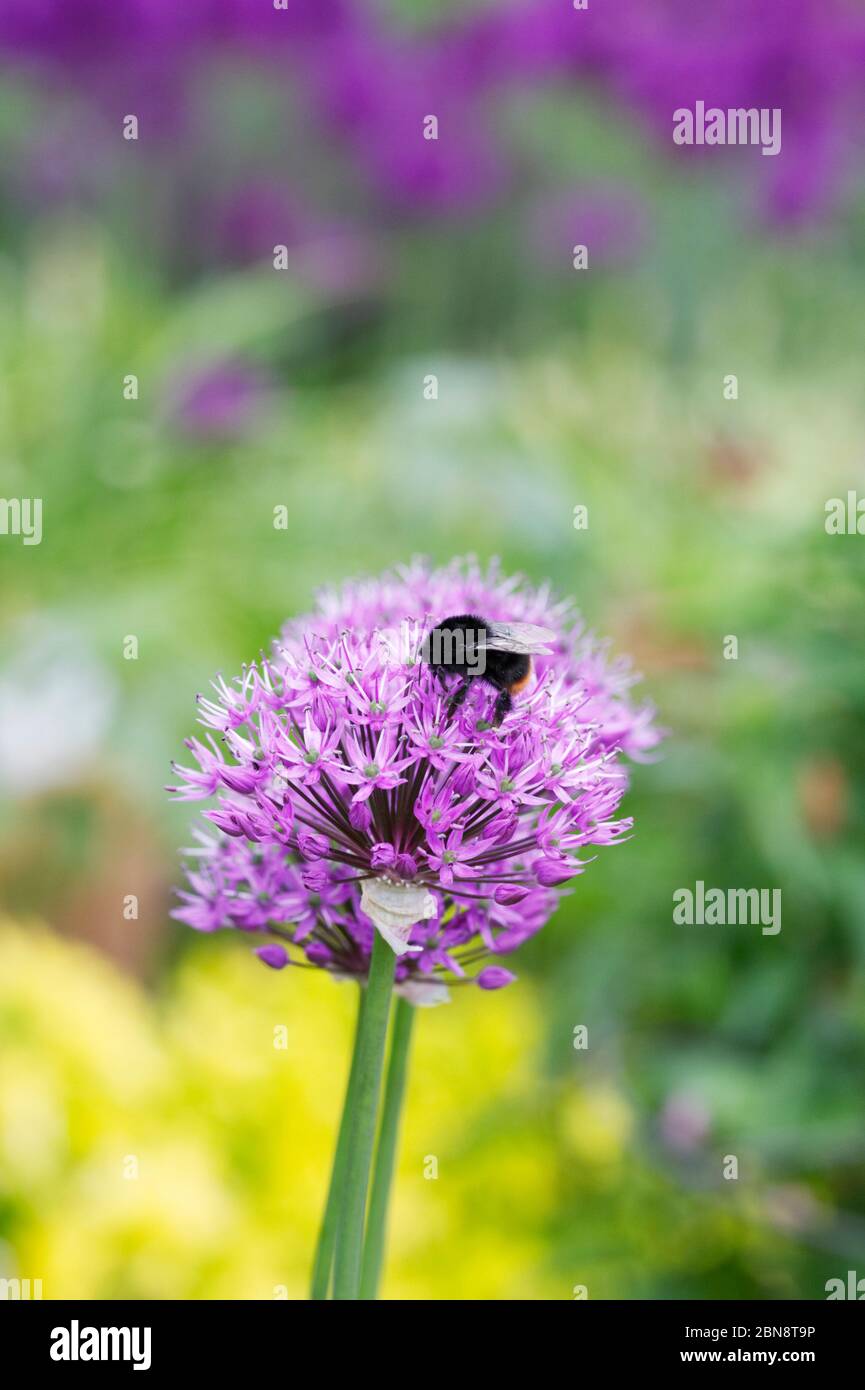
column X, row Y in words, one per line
column 352, row 797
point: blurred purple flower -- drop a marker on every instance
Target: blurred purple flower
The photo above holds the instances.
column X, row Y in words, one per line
column 334, row 257
column 256, row 215
column 219, row 401
column 807, row 59
column 685, row 1122
column 376, row 90
column 371, row 84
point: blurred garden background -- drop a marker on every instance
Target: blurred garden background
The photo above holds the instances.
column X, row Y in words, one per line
column 304, row 387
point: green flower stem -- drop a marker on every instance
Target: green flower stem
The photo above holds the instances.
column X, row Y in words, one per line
column 370, row 1055
column 385, row 1155
column 327, row 1235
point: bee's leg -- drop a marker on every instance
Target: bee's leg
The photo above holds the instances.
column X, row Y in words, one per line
column 503, row 706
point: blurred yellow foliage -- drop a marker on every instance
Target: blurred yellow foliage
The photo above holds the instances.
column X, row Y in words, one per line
column 179, row 1147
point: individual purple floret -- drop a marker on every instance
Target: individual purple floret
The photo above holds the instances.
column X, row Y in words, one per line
column 351, row 796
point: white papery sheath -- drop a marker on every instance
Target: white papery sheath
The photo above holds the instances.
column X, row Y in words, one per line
column 394, row 908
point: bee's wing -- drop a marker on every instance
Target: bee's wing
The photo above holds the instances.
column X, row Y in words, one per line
column 525, row 639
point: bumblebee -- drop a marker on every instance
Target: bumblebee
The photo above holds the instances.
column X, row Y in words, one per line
column 472, row 648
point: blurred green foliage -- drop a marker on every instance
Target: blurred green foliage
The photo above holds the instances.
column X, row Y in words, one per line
column 557, row 1167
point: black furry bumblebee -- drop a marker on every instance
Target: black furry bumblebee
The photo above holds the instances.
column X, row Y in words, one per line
column 472, row 648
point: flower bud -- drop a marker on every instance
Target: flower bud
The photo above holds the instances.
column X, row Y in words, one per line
column 508, row 893
column 314, row 877
column 275, row 956
column 406, row 865
column 311, row 845
column 494, row 977
column 382, row 856
column 317, row 953
column 360, row 816
column 550, row 872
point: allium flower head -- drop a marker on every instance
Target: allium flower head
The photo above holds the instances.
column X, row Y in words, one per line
column 351, row 795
